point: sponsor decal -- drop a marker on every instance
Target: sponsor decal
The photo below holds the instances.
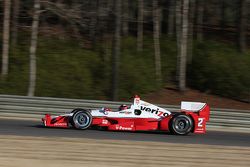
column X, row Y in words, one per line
column 157, row 112
column 118, row 127
column 104, row 121
column 125, row 112
column 60, row 124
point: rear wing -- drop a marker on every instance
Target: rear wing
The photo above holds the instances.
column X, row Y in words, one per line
column 202, row 109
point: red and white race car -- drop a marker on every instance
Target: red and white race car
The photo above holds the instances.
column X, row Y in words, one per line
column 140, row 116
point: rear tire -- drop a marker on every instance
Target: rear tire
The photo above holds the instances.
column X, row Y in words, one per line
column 181, row 124
column 81, row 119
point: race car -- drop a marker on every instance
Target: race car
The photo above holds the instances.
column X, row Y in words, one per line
column 140, row 116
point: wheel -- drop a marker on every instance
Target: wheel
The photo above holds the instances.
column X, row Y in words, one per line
column 81, row 119
column 181, row 124
column 76, row 109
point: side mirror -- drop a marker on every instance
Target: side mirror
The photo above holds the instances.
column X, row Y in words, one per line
column 137, row 112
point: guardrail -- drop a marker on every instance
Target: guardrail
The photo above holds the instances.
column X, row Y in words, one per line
column 36, row 107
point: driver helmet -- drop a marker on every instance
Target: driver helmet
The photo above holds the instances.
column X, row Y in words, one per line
column 123, row 107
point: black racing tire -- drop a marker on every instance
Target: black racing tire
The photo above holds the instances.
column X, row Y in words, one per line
column 181, row 124
column 81, row 119
column 76, row 109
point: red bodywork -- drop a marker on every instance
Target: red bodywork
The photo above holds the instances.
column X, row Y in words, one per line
column 135, row 124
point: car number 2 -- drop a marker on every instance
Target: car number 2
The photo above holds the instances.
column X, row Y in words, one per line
column 200, row 122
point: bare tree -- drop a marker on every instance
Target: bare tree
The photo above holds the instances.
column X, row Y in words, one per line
column 160, row 17
column 71, row 15
column 171, row 12
column 178, row 20
column 178, row 34
column 243, row 26
column 116, row 50
column 157, row 50
column 93, row 20
column 33, row 47
column 6, row 36
column 110, row 4
column 15, row 22
column 183, row 46
column 140, row 25
column 222, row 14
column 190, row 30
column 125, row 17
column 200, row 15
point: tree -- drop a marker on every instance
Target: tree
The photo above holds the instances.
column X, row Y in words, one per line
column 183, row 46
column 93, row 20
column 243, row 26
column 222, row 14
column 125, row 17
column 140, row 26
column 116, row 50
column 171, row 10
column 178, row 35
column 6, row 36
column 33, row 47
column 200, row 15
column 190, row 30
column 15, row 22
column 157, row 50
column 110, row 4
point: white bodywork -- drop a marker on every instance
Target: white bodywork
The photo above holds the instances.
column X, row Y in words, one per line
column 192, row 106
column 148, row 110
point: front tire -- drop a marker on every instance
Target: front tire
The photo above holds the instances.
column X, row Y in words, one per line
column 181, row 124
column 82, row 119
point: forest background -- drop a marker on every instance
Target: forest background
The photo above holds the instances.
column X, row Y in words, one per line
column 113, row 49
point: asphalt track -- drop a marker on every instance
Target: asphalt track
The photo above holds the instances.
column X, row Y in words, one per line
column 34, row 128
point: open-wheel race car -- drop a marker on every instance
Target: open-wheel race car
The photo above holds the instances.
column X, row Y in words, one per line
column 140, row 116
